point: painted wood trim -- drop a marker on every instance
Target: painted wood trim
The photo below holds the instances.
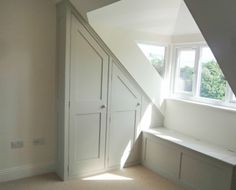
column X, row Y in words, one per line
column 103, row 45
column 63, row 59
column 26, row 171
column 208, row 160
column 65, row 10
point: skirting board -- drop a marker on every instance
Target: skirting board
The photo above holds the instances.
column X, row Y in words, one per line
column 25, row 171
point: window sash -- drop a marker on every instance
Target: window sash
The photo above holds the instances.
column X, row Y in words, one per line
column 177, row 70
column 229, row 99
column 165, row 55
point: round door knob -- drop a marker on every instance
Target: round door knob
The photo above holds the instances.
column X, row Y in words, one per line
column 103, row 106
column 138, row 104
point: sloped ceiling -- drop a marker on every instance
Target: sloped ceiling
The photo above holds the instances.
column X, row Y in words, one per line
column 216, row 19
column 84, row 6
column 89, row 5
column 162, row 17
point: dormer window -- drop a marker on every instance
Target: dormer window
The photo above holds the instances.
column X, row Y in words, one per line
column 197, row 76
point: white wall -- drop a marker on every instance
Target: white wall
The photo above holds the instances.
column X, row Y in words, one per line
column 191, row 119
column 191, row 38
column 84, row 6
column 124, row 45
column 125, row 23
column 27, row 82
column 203, row 122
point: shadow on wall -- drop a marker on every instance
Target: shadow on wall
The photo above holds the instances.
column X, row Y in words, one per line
column 148, row 120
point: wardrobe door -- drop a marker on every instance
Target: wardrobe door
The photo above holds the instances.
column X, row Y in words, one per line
column 125, row 113
column 88, row 98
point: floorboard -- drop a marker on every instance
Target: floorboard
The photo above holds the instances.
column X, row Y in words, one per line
column 133, row 178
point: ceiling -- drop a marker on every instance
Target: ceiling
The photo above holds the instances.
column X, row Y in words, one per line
column 162, row 17
column 88, row 5
column 83, row 6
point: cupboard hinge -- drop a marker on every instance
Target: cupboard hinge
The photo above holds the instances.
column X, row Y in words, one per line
column 69, row 104
column 68, row 169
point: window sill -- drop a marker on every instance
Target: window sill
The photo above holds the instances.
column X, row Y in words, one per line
column 190, row 100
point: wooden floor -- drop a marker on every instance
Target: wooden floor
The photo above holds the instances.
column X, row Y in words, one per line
column 133, row 178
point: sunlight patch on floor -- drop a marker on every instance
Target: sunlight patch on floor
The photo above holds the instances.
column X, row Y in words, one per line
column 125, row 155
column 106, row 177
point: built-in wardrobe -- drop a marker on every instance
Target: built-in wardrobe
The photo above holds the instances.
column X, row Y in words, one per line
column 99, row 103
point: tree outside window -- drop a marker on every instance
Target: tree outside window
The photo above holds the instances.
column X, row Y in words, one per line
column 185, row 73
column 155, row 55
column 199, row 76
column 213, row 83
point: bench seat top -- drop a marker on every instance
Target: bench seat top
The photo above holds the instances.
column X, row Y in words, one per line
column 206, row 148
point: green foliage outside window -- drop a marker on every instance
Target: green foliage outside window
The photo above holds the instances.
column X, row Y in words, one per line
column 158, row 63
column 213, row 84
column 186, row 74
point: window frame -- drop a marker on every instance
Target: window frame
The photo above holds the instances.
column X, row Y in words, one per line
column 177, row 65
column 166, row 55
column 228, row 101
column 232, row 97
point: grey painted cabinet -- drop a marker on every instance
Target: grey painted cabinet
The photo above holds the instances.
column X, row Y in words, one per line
column 190, row 168
column 204, row 173
column 125, row 114
column 162, row 157
column 98, row 102
column 88, row 100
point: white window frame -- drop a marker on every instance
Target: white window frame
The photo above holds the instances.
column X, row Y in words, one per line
column 176, row 68
column 231, row 96
column 166, row 55
column 195, row 94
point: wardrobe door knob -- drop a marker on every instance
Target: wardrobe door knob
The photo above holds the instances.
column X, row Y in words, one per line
column 138, row 104
column 103, row 106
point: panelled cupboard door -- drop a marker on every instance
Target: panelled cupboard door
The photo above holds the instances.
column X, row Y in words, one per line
column 203, row 174
column 88, row 98
column 125, row 114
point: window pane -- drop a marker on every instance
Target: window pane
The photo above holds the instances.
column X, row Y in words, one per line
column 155, row 55
column 213, row 83
column 232, row 95
column 185, row 72
column 233, row 98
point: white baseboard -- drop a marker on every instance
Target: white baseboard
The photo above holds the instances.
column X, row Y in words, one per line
column 25, row 171
column 134, row 163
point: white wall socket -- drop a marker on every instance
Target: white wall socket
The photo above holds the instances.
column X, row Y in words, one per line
column 17, row 144
column 38, row 141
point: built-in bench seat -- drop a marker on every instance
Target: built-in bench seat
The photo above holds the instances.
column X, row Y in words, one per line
column 196, row 164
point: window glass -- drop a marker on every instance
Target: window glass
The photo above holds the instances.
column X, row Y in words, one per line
column 199, row 77
column 155, row 55
column 213, row 83
column 233, row 98
column 185, row 71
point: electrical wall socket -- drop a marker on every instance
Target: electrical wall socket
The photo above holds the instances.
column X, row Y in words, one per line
column 39, row 141
column 17, row 144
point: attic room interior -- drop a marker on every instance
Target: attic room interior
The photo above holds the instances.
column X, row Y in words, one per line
column 117, row 94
